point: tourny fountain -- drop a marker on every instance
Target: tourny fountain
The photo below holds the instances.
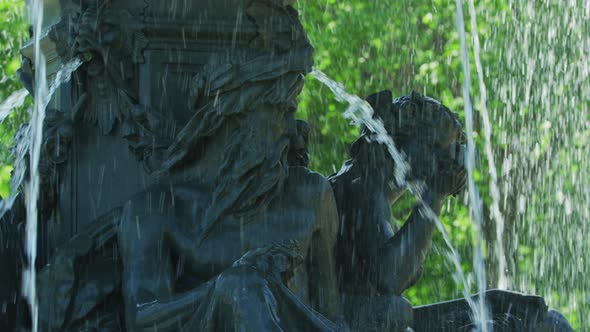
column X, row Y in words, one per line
column 165, row 184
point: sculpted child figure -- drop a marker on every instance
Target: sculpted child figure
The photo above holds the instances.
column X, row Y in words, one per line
column 376, row 262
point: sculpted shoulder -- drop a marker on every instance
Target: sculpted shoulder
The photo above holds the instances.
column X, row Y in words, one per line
column 303, row 181
column 311, row 190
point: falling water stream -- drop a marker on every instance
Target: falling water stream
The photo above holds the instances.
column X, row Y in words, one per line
column 31, row 187
column 43, row 94
column 475, row 203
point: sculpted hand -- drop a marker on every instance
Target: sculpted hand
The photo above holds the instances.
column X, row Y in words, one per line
column 273, row 260
column 451, row 176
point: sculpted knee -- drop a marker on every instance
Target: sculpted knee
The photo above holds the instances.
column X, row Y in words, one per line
column 379, row 313
column 554, row 322
column 239, row 284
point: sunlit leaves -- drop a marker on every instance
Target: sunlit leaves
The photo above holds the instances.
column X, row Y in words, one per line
column 4, row 181
column 13, row 32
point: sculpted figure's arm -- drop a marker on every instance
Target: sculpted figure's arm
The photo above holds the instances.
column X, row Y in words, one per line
column 323, row 285
column 398, row 263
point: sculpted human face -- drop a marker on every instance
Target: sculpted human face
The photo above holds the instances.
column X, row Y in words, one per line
column 298, row 153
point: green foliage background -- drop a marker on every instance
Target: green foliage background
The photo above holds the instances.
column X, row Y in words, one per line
column 405, row 45
column 13, row 32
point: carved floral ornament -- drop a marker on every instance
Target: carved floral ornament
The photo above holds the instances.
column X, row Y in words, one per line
column 111, row 42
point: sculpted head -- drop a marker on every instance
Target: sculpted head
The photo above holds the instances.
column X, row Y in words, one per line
column 241, row 107
column 298, row 151
column 424, row 130
column 244, row 106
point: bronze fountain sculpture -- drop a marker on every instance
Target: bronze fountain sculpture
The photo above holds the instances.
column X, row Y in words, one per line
column 176, row 193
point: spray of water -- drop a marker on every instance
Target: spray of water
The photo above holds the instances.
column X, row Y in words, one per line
column 494, row 190
column 15, row 100
column 475, row 203
column 361, row 112
column 542, row 107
